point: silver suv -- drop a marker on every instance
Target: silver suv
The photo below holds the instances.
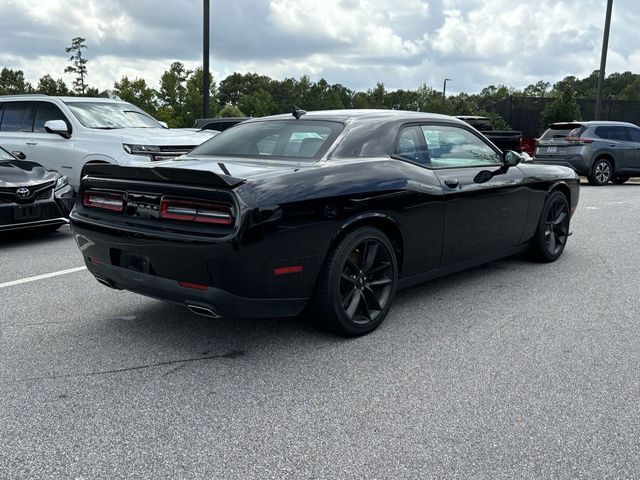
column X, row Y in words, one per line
column 601, row 151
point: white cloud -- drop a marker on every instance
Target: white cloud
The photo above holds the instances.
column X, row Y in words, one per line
column 354, row 42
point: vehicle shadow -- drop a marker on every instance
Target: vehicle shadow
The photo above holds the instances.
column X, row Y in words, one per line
column 30, row 237
column 176, row 332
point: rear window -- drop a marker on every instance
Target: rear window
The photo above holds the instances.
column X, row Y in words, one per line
column 17, row 117
column 295, row 139
column 563, row 130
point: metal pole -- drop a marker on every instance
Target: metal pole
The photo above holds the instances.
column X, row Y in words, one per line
column 603, row 59
column 444, row 95
column 205, row 60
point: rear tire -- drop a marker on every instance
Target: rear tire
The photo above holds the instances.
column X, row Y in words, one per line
column 553, row 229
column 601, row 172
column 620, row 179
column 357, row 284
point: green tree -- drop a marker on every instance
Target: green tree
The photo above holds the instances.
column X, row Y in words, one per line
column 230, row 111
column 50, row 86
column 193, row 105
column 562, row 109
column 232, row 88
column 78, row 66
column 136, row 92
column 378, row 97
column 257, row 104
column 12, row 82
column 173, row 91
column 96, row 92
column 538, row 89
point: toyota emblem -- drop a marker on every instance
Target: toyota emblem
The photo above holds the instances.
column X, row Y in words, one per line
column 23, row 192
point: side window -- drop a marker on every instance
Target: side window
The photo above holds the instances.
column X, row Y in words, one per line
column 634, row 134
column 456, row 147
column 409, row 145
column 47, row 111
column 602, row 132
column 617, row 133
column 17, row 117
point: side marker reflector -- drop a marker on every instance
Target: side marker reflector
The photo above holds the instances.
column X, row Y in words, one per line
column 195, row 286
column 286, row 270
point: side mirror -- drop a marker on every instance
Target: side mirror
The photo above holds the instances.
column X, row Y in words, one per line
column 164, row 124
column 19, row 155
column 511, row 158
column 58, row 127
column 483, row 176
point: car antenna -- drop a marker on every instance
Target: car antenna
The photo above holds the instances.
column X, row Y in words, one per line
column 298, row 112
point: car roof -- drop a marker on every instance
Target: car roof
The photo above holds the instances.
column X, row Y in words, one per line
column 38, row 96
column 593, row 123
column 348, row 116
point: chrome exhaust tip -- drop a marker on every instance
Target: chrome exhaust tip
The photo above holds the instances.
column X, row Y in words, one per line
column 105, row 282
column 204, row 311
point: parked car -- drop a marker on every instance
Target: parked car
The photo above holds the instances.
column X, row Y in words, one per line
column 249, row 225
column 503, row 139
column 31, row 196
column 601, row 151
column 218, row 124
column 68, row 133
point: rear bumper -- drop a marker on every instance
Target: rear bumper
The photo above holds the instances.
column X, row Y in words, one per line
column 576, row 163
column 217, row 300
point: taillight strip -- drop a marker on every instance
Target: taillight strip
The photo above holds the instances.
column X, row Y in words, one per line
column 193, row 211
column 103, row 200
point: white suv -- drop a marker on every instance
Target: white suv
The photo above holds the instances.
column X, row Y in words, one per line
column 67, row 133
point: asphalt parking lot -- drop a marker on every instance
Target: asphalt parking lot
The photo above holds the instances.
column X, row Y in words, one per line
column 511, row 370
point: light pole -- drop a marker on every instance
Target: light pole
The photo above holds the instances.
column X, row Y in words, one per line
column 205, row 60
column 603, row 59
column 444, row 95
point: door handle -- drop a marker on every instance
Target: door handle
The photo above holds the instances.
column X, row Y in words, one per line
column 451, row 182
column 612, row 144
column 31, row 142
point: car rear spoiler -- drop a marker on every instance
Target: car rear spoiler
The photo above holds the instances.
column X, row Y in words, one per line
column 163, row 175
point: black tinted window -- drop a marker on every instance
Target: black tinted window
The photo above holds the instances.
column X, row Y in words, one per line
column 634, row 134
column 612, row 133
column 410, row 146
column 300, row 139
column 47, row 111
column 17, row 117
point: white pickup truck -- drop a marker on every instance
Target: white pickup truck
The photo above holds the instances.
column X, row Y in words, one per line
column 67, row 133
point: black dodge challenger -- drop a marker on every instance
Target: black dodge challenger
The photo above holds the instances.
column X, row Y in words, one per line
column 32, row 197
column 335, row 210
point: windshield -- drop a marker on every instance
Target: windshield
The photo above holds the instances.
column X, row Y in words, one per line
column 108, row 116
column 285, row 139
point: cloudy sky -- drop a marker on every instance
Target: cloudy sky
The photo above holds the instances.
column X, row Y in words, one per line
column 354, row 42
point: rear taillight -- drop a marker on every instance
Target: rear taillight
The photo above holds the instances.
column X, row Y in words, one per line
column 103, row 200
column 194, row 211
column 578, row 140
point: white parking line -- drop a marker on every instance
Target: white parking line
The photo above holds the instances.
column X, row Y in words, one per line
column 41, row 277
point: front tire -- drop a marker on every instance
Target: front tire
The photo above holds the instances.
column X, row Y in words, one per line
column 601, row 172
column 553, row 229
column 357, row 284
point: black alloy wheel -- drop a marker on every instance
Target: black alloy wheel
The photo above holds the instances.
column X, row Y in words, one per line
column 358, row 283
column 620, row 179
column 601, row 173
column 552, row 234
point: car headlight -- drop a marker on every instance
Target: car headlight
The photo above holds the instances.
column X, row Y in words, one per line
column 61, row 183
column 149, row 150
